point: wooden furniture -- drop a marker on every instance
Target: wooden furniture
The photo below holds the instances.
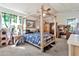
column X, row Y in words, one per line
column 48, row 27
column 73, row 45
column 63, row 30
column 3, row 37
column 45, row 28
column 52, row 28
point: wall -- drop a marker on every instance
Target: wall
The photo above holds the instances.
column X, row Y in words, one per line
column 37, row 21
column 61, row 17
column 33, row 19
column 0, row 22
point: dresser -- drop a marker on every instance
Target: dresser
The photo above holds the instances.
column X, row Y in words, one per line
column 48, row 27
column 73, row 45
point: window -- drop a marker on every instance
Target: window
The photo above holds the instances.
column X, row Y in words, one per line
column 72, row 22
column 20, row 19
column 6, row 20
column 10, row 20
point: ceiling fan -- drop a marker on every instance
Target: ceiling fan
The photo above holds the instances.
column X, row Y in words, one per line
column 47, row 11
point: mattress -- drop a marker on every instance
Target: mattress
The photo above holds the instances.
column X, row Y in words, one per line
column 35, row 37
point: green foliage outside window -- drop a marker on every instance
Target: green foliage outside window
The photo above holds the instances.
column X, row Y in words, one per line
column 9, row 20
column 8, row 17
column 14, row 17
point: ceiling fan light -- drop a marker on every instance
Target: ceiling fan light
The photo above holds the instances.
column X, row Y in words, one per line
column 44, row 14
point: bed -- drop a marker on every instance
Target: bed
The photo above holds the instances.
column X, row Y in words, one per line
column 34, row 38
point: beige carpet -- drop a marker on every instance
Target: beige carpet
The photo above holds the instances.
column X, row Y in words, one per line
column 60, row 49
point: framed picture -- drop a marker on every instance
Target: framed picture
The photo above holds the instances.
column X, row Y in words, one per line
column 30, row 24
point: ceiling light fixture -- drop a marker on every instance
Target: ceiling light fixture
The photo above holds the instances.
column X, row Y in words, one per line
column 44, row 15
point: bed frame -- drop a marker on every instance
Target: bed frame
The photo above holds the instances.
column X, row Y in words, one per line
column 45, row 45
column 42, row 29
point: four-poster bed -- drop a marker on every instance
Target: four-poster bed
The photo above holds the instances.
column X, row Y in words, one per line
column 41, row 39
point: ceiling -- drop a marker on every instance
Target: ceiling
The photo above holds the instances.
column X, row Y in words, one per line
column 30, row 8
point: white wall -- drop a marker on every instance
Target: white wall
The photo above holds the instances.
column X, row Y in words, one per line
column 61, row 17
column 0, row 21
column 37, row 21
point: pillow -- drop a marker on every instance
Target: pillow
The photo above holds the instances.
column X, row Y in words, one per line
column 28, row 31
